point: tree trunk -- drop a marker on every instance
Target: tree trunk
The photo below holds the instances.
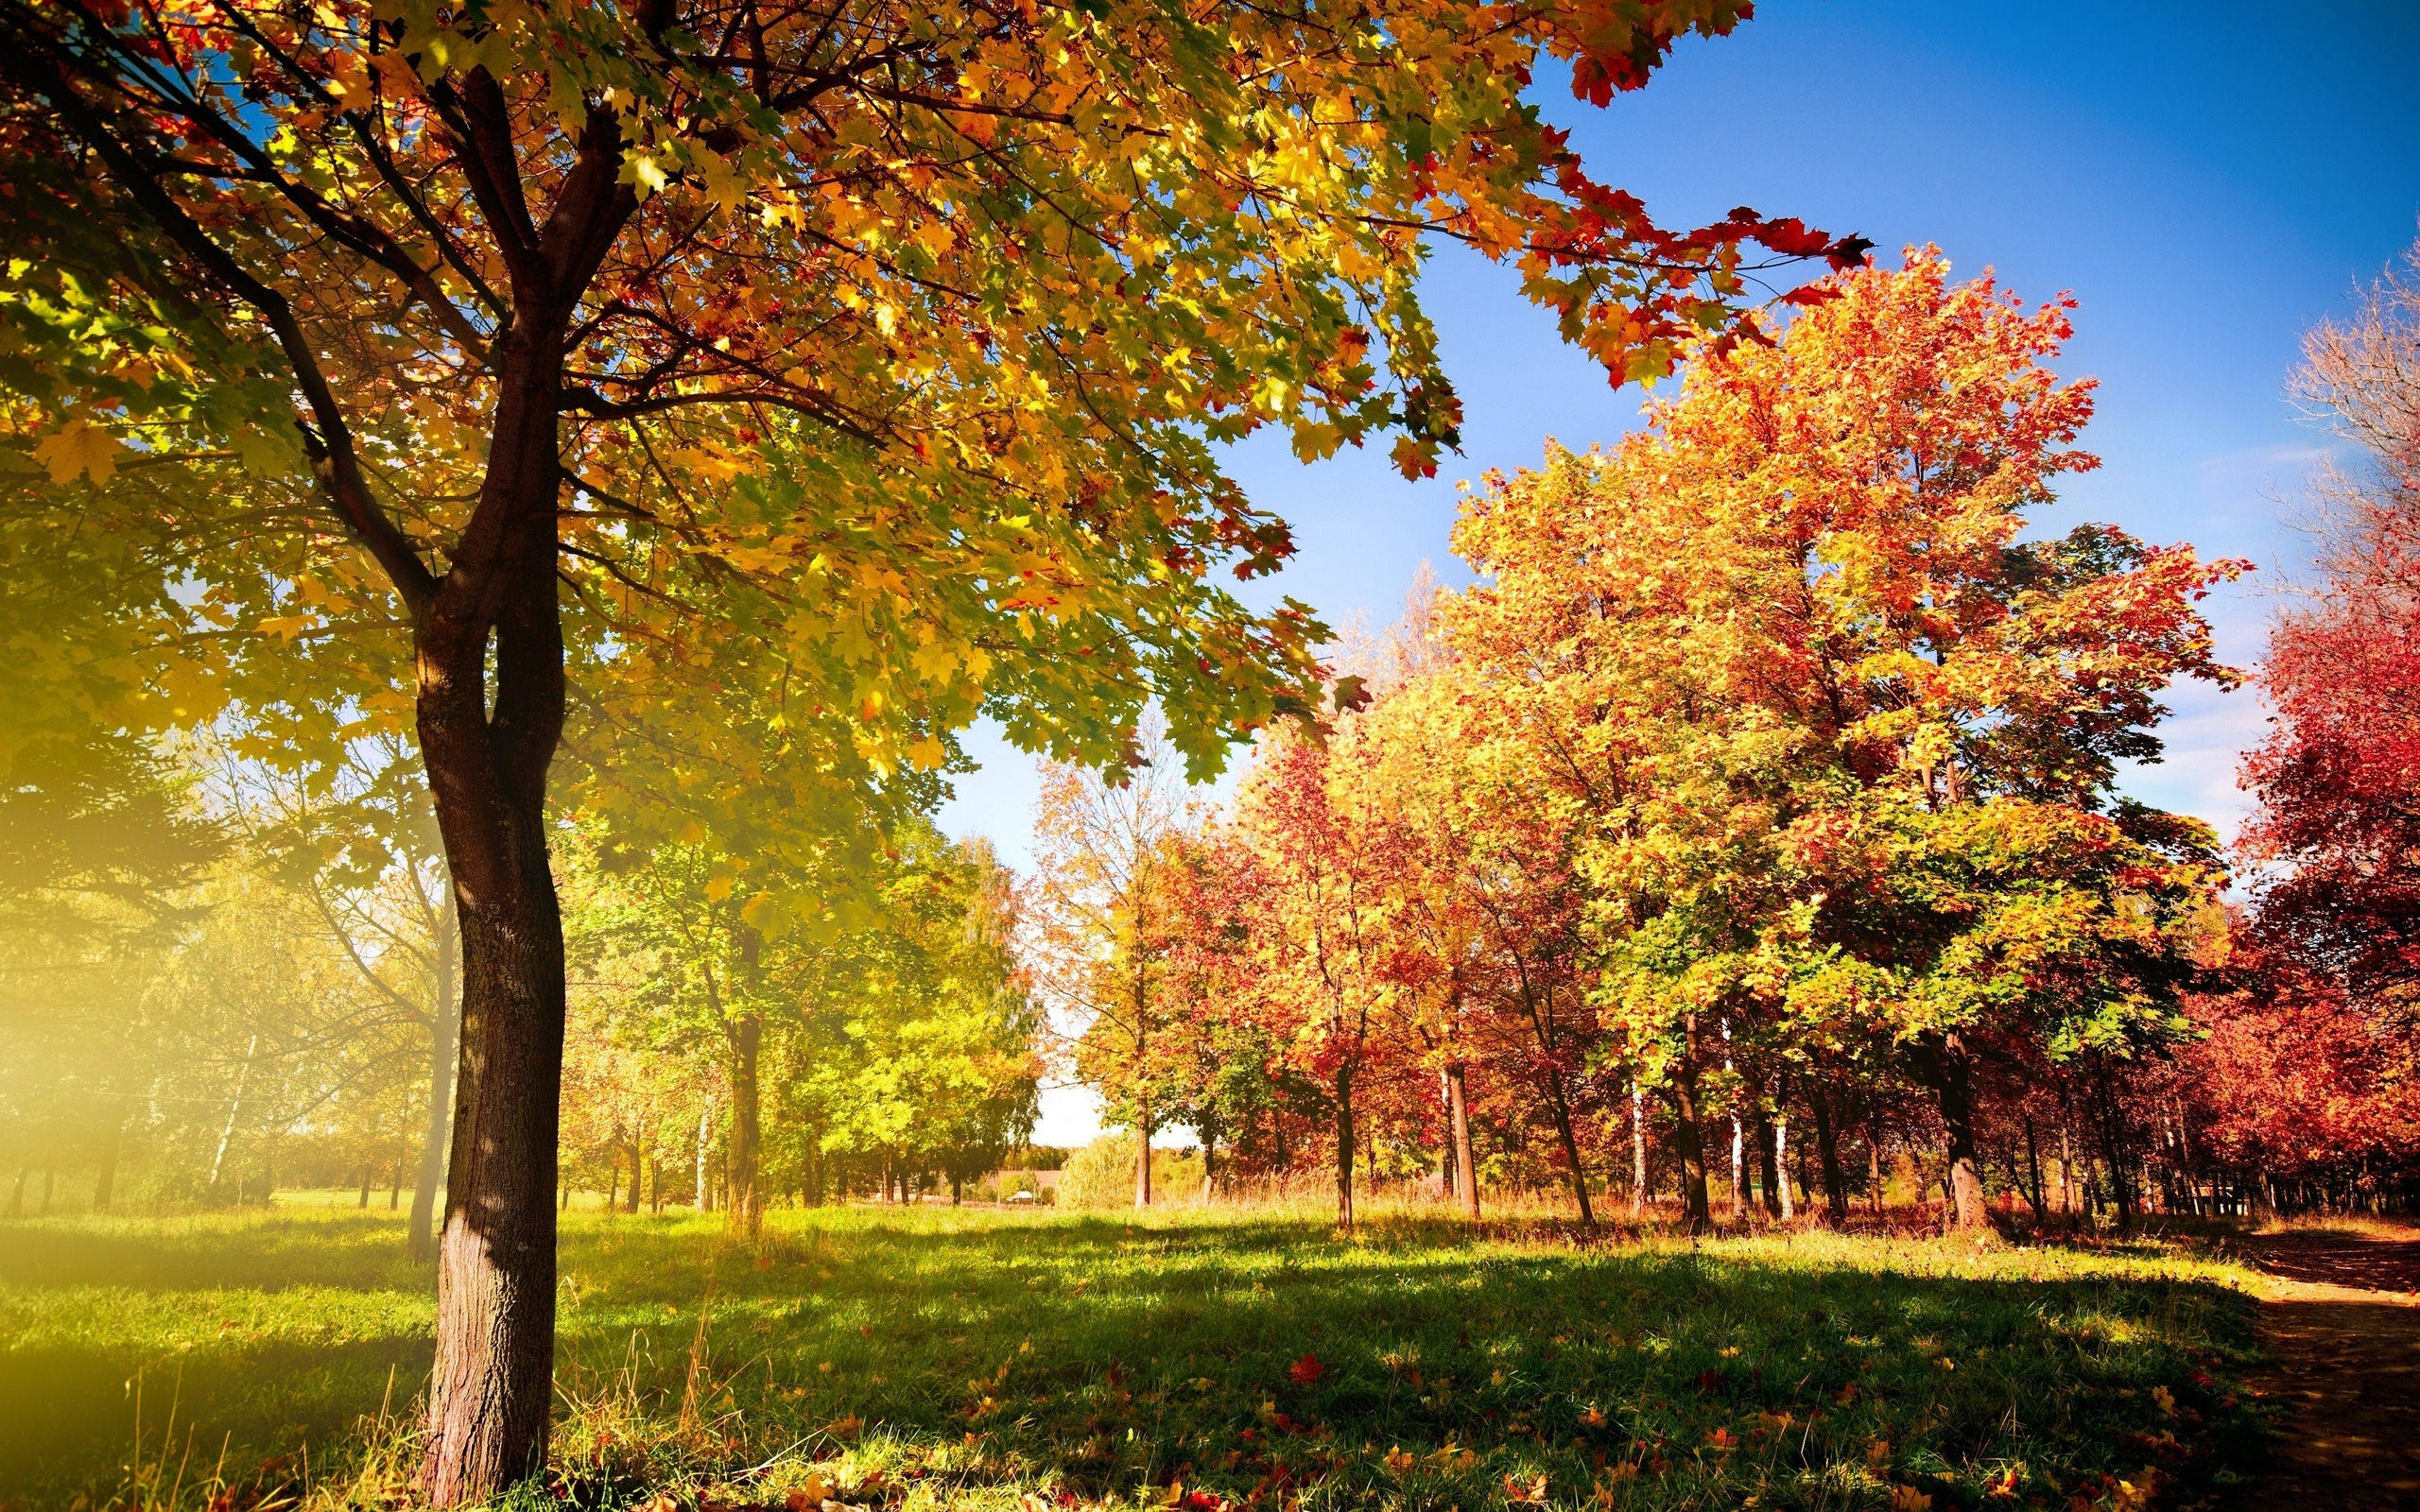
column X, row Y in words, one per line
column 492, row 1389
column 2035, row 1196
column 1457, row 1109
column 1738, row 1173
column 1769, row 1171
column 1143, row 1151
column 444, row 1033
column 1942, row 1062
column 1828, row 1153
column 1873, row 1162
column 105, row 1188
column 1345, row 1149
column 234, row 1106
column 489, row 655
column 17, row 1195
column 1637, row 1153
column 1446, row 1148
column 364, row 1204
column 2113, row 1146
column 1688, row 1144
column 1781, row 1163
column 1559, row 1106
column 746, row 1208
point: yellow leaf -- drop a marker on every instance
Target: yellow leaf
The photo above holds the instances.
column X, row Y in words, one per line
column 1907, row 1499
column 80, row 446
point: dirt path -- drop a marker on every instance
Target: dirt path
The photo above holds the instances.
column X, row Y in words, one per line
column 2340, row 1317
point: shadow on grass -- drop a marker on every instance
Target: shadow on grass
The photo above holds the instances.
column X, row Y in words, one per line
column 1264, row 1355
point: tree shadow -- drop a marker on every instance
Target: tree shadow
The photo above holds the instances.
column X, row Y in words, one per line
column 2346, row 1378
column 1253, row 1355
column 1100, row 1355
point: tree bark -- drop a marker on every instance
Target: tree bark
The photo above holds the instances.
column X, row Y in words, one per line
column 234, row 1109
column 1942, row 1061
column 1738, row 1173
column 2035, row 1196
column 491, row 1392
column 444, row 1031
column 1828, row 1153
column 1637, row 1153
column 1559, row 1106
column 1769, row 1173
column 489, row 653
column 1688, row 1144
column 746, row 1208
column 1345, row 1149
column 1781, row 1163
column 1457, row 1109
column 1143, row 1150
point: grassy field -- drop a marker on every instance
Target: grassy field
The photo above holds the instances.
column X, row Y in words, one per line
column 921, row 1358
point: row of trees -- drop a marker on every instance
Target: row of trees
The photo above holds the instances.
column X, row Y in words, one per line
column 2308, row 1086
column 1767, row 780
column 265, row 993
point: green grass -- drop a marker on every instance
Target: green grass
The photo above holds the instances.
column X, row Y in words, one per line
column 926, row 1358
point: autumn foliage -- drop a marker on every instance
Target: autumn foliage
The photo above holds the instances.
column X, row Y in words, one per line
column 1768, row 775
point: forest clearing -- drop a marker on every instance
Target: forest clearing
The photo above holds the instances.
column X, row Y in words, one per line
column 910, row 1358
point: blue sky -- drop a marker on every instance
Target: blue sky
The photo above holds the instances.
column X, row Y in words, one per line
column 2207, row 178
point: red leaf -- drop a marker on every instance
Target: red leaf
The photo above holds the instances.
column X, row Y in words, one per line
column 1307, row 1370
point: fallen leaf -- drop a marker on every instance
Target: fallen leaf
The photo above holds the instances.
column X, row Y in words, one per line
column 1307, row 1370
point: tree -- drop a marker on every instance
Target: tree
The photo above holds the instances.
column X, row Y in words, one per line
column 2338, row 777
column 1842, row 745
column 1486, row 923
column 1321, row 892
column 932, row 1062
column 1102, row 916
column 356, row 838
column 514, row 293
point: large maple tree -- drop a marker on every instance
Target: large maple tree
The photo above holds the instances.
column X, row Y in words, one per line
column 893, row 339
